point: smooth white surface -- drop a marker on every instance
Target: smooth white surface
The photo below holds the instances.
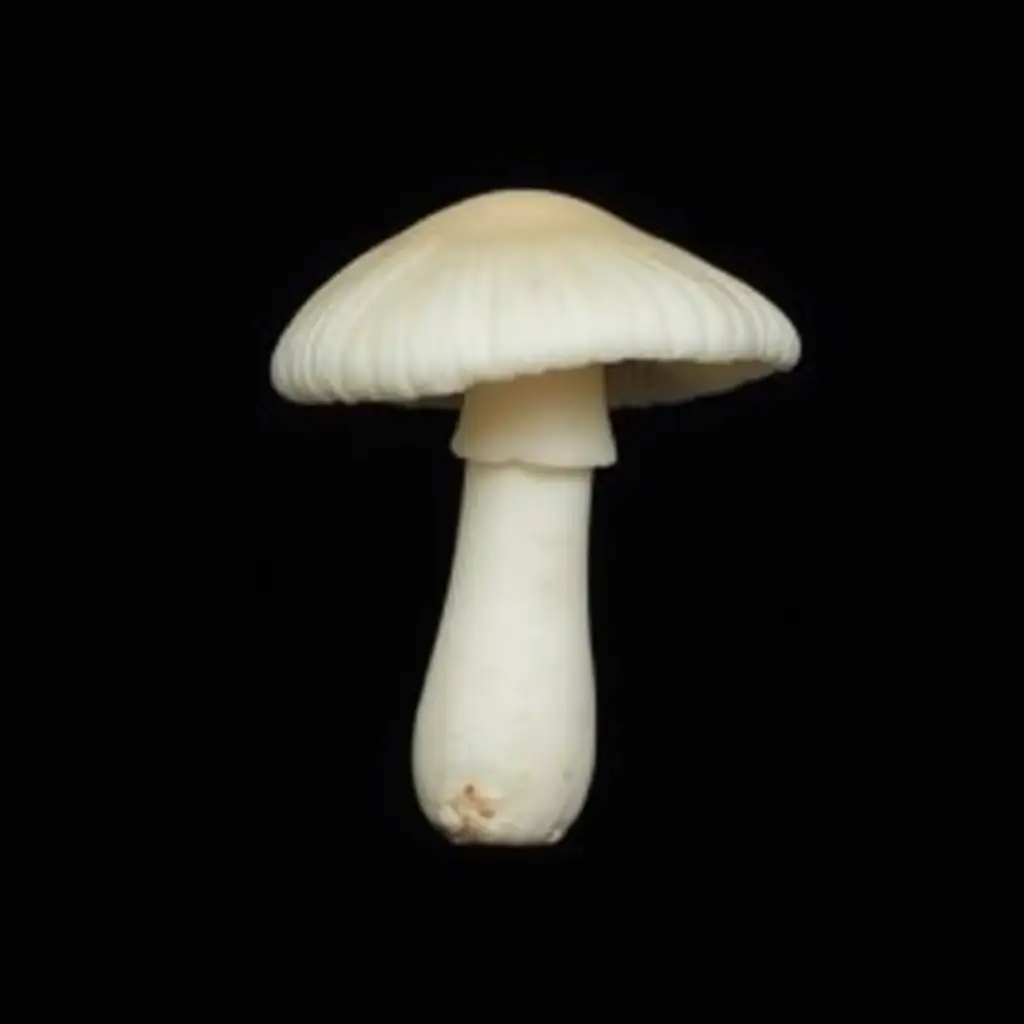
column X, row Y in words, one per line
column 522, row 282
column 504, row 739
column 557, row 420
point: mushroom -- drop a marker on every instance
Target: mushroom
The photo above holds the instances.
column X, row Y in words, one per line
column 541, row 312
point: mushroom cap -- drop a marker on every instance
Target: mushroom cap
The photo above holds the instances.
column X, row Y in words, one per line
column 520, row 282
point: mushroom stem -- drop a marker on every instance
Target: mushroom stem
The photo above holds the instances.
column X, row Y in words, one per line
column 503, row 745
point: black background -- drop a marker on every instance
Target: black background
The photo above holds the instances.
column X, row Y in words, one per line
column 229, row 602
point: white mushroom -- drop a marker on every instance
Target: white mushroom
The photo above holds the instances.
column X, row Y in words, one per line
column 543, row 311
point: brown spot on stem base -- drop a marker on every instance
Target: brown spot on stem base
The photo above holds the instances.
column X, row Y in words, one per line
column 466, row 814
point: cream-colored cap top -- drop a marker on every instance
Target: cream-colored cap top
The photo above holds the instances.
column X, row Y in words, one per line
column 513, row 283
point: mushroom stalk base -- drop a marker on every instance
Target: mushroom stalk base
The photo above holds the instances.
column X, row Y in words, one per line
column 504, row 738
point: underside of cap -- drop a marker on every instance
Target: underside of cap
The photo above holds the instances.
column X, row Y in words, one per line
column 515, row 283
